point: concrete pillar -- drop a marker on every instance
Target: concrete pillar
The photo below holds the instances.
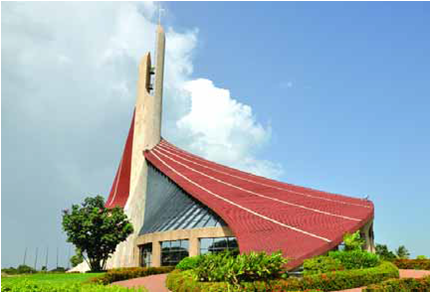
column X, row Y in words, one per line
column 157, row 254
column 194, row 248
column 367, row 234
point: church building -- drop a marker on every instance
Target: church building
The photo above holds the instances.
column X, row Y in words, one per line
column 183, row 205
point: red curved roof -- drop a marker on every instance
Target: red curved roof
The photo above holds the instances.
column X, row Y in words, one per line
column 265, row 215
column 121, row 185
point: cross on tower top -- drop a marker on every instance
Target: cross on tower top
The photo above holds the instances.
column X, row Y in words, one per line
column 161, row 10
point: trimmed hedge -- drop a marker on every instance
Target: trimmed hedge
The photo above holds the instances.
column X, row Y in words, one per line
column 184, row 281
column 412, row 264
column 121, row 274
column 401, row 285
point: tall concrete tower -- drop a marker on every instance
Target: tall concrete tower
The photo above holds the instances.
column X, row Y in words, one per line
column 130, row 184
column 146, row 132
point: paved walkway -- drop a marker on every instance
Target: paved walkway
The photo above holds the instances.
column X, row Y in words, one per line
column 153, row 283
column 156, row 283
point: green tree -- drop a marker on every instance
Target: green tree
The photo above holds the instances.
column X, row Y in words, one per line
column 353, row 241
column 421, row 257
column 95, row 230
column 402, row 252
column 384, row 253
column 24, row 269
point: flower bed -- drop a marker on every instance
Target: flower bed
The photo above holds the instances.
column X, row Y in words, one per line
column 121, row 274
column 401, row 285
column 413, row 264
column 184, row 281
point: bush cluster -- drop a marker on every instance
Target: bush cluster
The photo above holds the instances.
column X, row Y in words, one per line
column 189, row 263
column 184, row 281
column 356, row 259
column 401, row 285
column 121, row 274
column 321, row 264
column 234, row 268
column 22, row 269
column 339, row 261
column 412, row 264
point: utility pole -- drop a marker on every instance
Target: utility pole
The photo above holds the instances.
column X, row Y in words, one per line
column 57, row 258
column 25, row 256
column 46, row 258
column 35, row 259
column 68, row 259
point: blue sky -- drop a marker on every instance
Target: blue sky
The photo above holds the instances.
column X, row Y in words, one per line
column 346, row 89
column 333, row 96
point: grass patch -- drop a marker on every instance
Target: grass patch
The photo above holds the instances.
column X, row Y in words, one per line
column 58, row 282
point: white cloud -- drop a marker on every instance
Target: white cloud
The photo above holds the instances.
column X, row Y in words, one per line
column 223, row 129
column 69, row 75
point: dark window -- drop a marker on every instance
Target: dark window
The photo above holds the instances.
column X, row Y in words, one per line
column 146, row 254
column 217, row 244
column 174, row 251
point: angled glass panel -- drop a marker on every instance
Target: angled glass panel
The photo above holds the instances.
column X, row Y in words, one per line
column 168, row 207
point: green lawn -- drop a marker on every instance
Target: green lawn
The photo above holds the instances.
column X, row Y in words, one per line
column 55, row 282
column 57, row 278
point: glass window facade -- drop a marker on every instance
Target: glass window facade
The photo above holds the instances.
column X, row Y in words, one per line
column 174, row 251
column 146, row 255
column 168, row 207
column 216, row 244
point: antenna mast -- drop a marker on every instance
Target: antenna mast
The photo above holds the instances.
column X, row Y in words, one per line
column 25, row 256
column 35, row 259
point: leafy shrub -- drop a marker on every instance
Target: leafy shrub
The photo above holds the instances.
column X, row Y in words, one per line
column 184, row 281
column 353, row 241
column 412, row 264
column 401, row 285
column 421, row 257
column 226, row 266
column 355, row 259
column 321, row 264
column 189, row 263
column 121, row 274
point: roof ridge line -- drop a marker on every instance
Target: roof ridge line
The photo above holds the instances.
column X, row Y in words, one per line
column 263, row 184
column 262, row 195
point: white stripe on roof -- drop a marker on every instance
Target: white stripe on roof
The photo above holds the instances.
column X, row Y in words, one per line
column 252, row 181
column 238, row 205
column 259, row 194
